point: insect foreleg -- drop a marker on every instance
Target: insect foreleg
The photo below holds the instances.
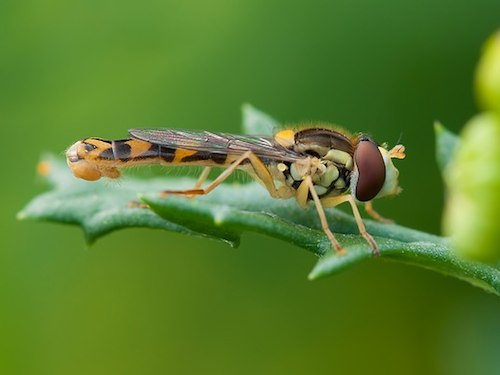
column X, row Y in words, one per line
column 369, row 209
column 335, row 201
column 258, row 166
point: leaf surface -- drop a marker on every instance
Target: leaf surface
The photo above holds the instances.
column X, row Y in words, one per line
column 100, row 208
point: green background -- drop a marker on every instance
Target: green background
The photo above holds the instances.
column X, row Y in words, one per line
column 150, row 302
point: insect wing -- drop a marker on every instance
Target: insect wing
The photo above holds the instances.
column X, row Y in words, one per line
column 220, row 143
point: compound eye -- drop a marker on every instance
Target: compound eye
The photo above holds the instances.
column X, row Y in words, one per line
column 371, row 170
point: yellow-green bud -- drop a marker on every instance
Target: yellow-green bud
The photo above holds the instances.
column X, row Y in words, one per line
column 488, row 75
column 472, row 213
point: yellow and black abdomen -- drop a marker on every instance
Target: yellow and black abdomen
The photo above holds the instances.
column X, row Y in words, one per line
column 93, row 158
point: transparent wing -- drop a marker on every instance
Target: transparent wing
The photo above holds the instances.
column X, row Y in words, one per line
column 219, row 143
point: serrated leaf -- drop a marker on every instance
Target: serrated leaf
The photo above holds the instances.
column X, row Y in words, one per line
column 436, row 256
column 100, row 208
column 229, row 210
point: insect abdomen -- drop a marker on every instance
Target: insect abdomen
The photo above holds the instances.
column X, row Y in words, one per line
column 93, row 158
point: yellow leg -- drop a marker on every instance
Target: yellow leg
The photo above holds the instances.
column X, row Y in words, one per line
column 201, row 180
column 335, row 201
column 369, row 209
column 260, row 170
column 322, row 217
column 202, row 177
column 302, row 195
column 135, row 204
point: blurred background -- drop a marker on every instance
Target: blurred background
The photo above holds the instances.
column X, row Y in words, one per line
column 150, row 302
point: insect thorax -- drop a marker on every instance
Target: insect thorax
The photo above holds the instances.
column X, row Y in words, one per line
column 328, row 159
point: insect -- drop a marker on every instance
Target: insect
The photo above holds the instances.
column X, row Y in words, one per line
column 321, row 163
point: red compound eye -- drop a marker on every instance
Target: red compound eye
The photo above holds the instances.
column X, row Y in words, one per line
column 371, row 170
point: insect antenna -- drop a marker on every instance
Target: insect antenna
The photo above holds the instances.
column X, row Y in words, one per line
column 400, row 138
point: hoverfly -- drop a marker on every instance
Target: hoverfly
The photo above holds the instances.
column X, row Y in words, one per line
column 322, row 163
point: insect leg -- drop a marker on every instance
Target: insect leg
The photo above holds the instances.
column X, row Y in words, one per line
column 322, row 217
column 260, row 170
column 334, row 201
column 369, row 209
column 203, row 177
column 201, row 180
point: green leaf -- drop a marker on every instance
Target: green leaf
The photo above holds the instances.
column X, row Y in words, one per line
column 256, row 122
column 101, row 207
column 230, row 210
column 436, row 256
column 446, row 145
column 98, row 207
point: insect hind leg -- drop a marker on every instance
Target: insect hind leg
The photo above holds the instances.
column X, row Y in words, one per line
column 258, row 166
column 190, row 193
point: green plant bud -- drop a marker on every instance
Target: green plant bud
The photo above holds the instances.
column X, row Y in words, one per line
column 488, row 75
column 472, row 213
